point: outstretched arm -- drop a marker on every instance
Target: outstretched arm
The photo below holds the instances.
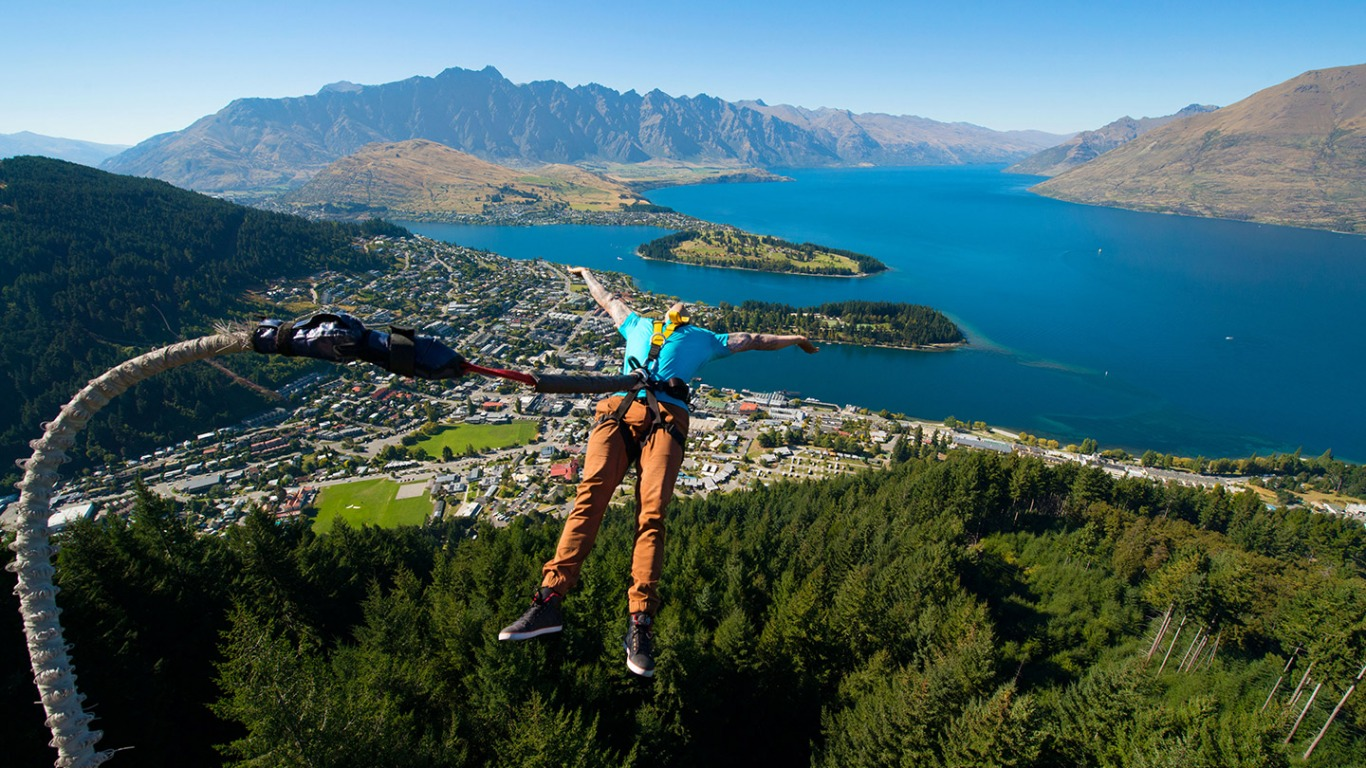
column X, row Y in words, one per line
column 610, row 302
column 744, row 342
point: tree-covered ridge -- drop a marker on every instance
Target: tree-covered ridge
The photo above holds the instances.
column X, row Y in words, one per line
column 881, row 323
column 987, row 610
column 95, row 266
column 727, row 247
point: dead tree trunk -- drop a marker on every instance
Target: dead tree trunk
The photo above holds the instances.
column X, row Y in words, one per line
column 1209, row 660
column 1286, row 669
column 1199, row 649
column 1161, row 630
column 1304, row 680
column 1303, row 712
column 1190, row 650
column 1334, row 716
column 1175, row 637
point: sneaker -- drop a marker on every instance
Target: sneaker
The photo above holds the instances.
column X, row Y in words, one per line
column 542, row 618
column 640, row 645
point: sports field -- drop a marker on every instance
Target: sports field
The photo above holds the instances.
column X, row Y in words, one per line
column 479, row 436
column 370, row 502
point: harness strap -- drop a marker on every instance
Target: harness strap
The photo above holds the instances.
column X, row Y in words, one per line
column 284, row 339
column 655, row 423
column 619, row 416
column 402, row 350
column 657, row 340
column 675, row 387
column 662, row 332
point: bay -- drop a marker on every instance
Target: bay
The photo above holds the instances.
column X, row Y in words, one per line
column 1143, row 331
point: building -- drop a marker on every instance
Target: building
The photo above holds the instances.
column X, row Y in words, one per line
column 69, row 514
column 966, row 441
column 568, row 471
column 201, row 483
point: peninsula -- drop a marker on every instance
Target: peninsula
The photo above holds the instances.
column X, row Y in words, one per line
column 734, row 249
column 866, row 323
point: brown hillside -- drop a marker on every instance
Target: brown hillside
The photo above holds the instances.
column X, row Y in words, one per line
column 423, row 178
column 1292, row 154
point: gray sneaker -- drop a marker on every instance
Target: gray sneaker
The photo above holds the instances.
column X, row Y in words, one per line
column 542, row 618
column 640, row 645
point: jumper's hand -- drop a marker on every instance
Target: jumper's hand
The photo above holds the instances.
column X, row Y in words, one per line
column 807, row 347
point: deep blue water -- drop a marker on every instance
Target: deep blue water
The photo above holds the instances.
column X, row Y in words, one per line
column 1178, row 334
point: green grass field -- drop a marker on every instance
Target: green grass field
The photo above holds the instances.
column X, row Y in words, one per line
column 480, row 436
column 369, row 502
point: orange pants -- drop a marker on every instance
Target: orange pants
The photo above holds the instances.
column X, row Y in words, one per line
column 605, row 465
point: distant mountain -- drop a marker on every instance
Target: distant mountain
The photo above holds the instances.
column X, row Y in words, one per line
column 96, row 266
column 1088, row 145
column 83, row 152
column 419, row 177
column 879, row 139
column 1292, row 154
column 255, row 146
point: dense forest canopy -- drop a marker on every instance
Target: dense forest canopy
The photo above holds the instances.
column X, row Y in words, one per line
column 986, row 610
column 880, row 323
column 95, row 267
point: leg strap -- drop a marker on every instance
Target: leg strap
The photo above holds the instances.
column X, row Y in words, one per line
column 632, row 447
column 654, row 423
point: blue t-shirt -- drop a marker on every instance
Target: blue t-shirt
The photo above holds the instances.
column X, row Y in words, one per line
column 684, row 351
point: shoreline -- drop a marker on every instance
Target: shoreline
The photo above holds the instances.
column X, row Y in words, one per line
column 761, row 271
column 940, row 346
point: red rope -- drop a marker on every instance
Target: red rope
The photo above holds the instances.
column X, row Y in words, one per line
column 524, row 378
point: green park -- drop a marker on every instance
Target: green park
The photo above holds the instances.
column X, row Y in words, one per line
column 370, row 502
column 467, row 438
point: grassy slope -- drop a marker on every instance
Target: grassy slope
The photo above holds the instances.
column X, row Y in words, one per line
column 1291, row 154
column 423, row 177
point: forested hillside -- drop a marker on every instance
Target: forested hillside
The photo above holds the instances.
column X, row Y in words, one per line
column 986, row 610
column 95, row 267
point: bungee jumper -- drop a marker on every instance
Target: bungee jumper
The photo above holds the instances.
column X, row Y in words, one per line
column 645, row 425
column 341, row 338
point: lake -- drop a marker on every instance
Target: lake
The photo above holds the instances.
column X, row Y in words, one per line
column 1143, row 331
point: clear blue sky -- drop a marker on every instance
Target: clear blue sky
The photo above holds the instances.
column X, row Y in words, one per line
column 120, row 72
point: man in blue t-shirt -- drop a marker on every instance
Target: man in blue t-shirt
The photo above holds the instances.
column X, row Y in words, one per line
column 646, row 433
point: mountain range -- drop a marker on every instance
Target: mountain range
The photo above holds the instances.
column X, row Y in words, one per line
column 266, row 146
column 1088, row 145
column 72, row 150
column 881, row 139
column 1292, row 154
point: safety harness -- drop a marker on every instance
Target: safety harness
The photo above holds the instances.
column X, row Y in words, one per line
column 649, row 384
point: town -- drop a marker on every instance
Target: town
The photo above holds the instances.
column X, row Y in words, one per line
column 359, row 443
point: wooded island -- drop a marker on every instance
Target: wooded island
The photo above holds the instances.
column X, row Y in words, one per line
column 734, row 249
